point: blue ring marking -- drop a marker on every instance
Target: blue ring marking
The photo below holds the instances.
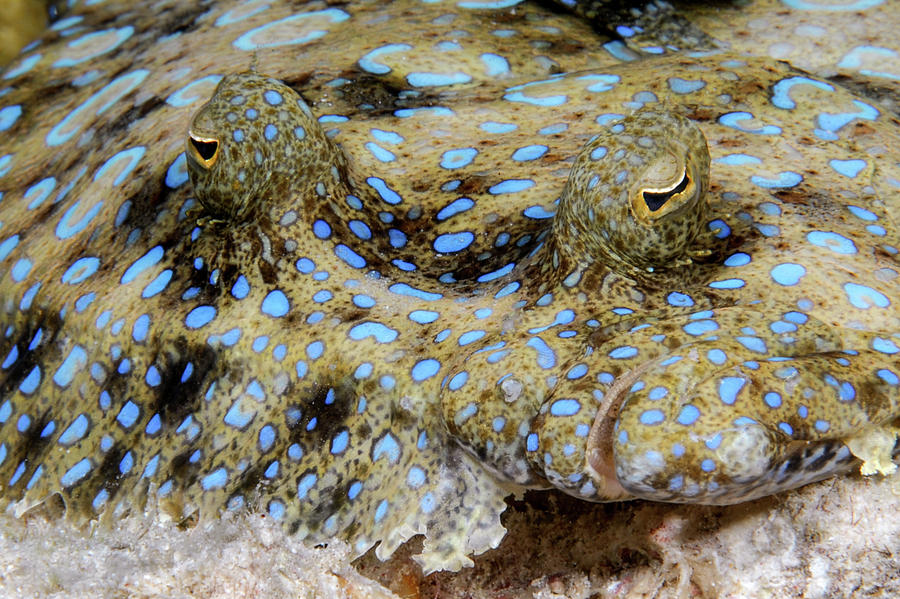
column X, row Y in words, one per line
column 41, row 191
column 378, row 331
column 349, row 256
column 158, row 284
column 229, row 17
column 729, row 387
column 737, row 259
column 76, row 473
column 781, row 97
column 9, row 115
column 685, row 86
column 495, row 127
column 527, row 153
column 832, row 123
column 565, row 407
column 74, row 362
column 245, row 41
column 437, row 79
column 148, row 260
column 115, row 90
column 546, row 357
column 75, row 432
column 118, row 37
column 832, row 241
column 275, row 304
column 370, row 64
column 129, row 414
column 728, row 284
column 23, row 67
column 457, row 206
column 404, row 289
column 387, row 194
column 423, row 316
column 315, row 350
column 848, row 168
column 177, row 174
column 425, row 369
column 784, row 179
column 215, row 479
column 652, row 417
column 380, row 153
column 852, row 5
column 787, row 273
column 458, row 158
column 689, row 415
column 863, row 297
column 141, row 328
column 494, row 64
column 340, row 442
column 450, row 243
column 64, row 230
column 81, row 270
column 511, row 186
column 200, row 317
column 733, row 120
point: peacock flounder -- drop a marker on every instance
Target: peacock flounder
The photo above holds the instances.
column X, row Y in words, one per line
column 671, row 280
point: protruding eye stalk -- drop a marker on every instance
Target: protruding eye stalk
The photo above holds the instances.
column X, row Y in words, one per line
column 651, row 202
column 205, row 150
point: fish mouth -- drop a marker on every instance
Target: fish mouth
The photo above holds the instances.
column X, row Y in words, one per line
column 203, row 150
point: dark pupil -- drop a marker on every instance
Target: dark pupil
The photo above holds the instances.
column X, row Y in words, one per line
column 655, row 201
column 206, row 149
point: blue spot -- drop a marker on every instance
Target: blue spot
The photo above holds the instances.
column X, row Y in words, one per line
column 457, row 206
column 154, row 425
column 321, row 229
column 74, row 362
column 386, row 446
column 8, row 245
column 772, row 399
column 623, row 352
column 76, row 473
column 494, row 64
column 452, row 159
column 9, row 115
column 863, row 297
column 158, row 284
column 788, row 273
column 453, row 242
column 679, row 299
column 200, row 317
column 833, row 122
column 729, row 387
column 354, row 490
column 862, row 213
column 322, row 296
column 470, row 337
column 728, row 284
column 651, row 417
column 76, row 431
column 272, row 97
column 146, row 261
column 423, row 316
column 458, row 380
column 529, row 153
column 782, row 180
column 781, row 90
column 425, row 369
column 888, row 377
column 738, row 259
column 848, row 168
column 241, row 288
column 565, row 407
column 314, row 350
column 20, row 269
column 688, row 415
column 531, row 442
column 577, row 371
column 391, row 137
column 140, row 328
column 380, row 153
column 833, row 241
column 237, row 416
column 737, row 160
column 275, row 304
column 708, row 465
column 376, row 330
column 434, row 79
column 215, row 479
column 511, row 186
column 699, row 327
column 339, row 442
column 387, row 194
column 404, row 289
column 349, row 256
column 537, row 212
column 685, row 86
column 363, row 301
column 495, row 127
column 546, row 358
column 753, row 344
column 128, row 415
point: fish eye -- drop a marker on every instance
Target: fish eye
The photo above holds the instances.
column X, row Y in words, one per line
column 655, row 199
column 206, row 150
